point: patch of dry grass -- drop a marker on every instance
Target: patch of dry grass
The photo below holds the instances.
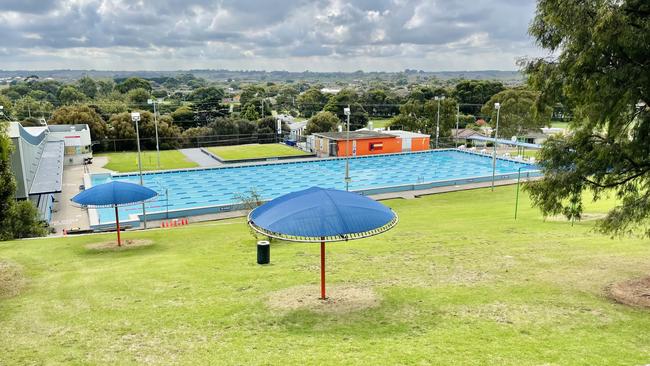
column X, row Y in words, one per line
column 112, row 245
column 12, row 279
column 634, row 292
column 341, row 299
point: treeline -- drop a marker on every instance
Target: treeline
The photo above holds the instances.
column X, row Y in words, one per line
column 188, row 107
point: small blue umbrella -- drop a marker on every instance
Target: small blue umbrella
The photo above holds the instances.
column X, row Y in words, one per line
column 114, row 194
column 322, row 215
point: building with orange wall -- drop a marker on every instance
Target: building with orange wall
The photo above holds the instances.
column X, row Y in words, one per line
column 363, row 143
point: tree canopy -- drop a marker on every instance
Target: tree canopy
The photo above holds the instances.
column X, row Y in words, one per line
column 81, row 114
column 322, row 122
column 518, row 114
column 601, row 67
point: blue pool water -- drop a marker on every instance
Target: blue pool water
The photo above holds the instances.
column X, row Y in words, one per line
column 191, row 189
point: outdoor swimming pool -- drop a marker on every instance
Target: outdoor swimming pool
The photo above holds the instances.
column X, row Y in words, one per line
column 199, row 191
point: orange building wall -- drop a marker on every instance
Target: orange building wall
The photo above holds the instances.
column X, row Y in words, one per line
column 420, row 143
column 389, row 145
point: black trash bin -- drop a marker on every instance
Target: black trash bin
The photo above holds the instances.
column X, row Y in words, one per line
column 263, row 252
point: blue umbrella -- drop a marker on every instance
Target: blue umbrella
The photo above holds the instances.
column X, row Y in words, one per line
column 114, row 194
column 322, row 215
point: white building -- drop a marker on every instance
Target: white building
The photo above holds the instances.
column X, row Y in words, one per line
column 76, row 138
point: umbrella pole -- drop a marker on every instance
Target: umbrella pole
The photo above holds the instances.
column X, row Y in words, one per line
column 117, row 223
column 322, row 269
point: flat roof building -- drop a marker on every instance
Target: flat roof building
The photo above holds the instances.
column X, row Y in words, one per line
column 364, row 142
column 38, row 157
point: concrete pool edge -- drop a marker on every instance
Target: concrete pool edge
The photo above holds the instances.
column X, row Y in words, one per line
column 458, row 183
column 255, row 160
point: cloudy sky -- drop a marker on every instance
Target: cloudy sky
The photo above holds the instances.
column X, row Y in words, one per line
column 294, row 35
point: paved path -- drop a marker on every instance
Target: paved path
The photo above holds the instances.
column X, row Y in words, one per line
column 197, row 156
column 65, row 215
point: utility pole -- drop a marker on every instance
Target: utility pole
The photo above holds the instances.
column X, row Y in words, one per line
column 497, row 106
column 439, row 99
column 155, row 122
column 135, row 117
column 346, row 111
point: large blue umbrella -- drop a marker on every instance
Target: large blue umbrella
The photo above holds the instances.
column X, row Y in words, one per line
column 114, row 194
column 322, row 215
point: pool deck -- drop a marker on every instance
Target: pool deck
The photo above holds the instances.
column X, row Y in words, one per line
column 157, row 224
column 198, row 156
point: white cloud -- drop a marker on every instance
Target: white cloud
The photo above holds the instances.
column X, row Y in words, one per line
column 292, row 35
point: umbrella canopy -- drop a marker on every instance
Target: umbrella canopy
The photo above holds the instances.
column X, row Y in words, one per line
column 318, row 214
column 321, row 215
column 113, row 194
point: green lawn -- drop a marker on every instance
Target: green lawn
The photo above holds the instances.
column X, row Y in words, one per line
column 459, row 283
column 254, row 151
column 380, row 122
column 128, row 161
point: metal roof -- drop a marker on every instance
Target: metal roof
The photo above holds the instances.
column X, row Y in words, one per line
column 49, row 174
column 505, row 142
column 354, row 135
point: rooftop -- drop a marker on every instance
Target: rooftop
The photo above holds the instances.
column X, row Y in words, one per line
column 354, row 135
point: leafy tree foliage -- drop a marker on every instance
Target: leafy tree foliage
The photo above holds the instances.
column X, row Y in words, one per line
column 207, row 95
column 7, row 104
column 322, row 122
column 133, row 83
column 311, row 102
column 29, row 107
column 475, row 92
column 339, row 101
column 88, row 86
column 70, row 95
column 249, row 112
column 251, row 92
column 138, row 97
column 183, row 115
column 81, row 114
column 518, row 114
column 602, row 68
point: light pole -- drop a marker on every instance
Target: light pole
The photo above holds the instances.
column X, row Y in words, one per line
column 457, row 118
column 346, row 111
column 135, row 117
column 439, row 99
column 155, row 122
column 497, row 106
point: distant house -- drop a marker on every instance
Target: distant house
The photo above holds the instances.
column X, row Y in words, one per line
column 362, row 143
column 462, row 136
column 330, row 90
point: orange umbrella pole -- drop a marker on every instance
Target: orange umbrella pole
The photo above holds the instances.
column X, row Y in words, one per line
column 322, row 269
column 117, row 223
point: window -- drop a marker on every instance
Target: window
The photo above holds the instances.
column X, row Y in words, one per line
column 376, row 146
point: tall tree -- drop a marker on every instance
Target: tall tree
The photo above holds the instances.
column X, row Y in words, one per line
column 518, row 113
column 476, row 92
column 322, row 122
column 343, row 99
column 311, row 102
column 70, row 95
column 133, row 83
column 81, row 114
column 88, row 86
column 601, row 65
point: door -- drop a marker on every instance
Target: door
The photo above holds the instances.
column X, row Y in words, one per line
column 406, row 144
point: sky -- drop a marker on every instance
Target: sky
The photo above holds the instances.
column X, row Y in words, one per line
column 292, row 35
